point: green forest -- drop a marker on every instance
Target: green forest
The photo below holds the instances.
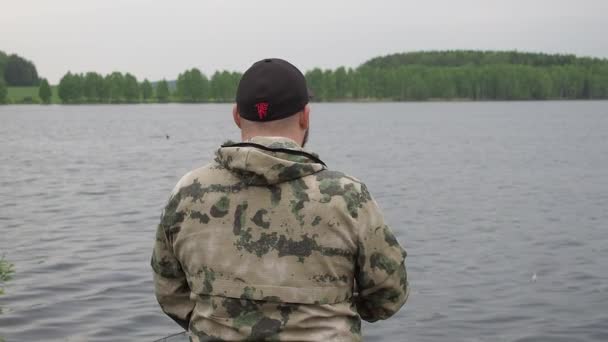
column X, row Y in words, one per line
column 412, row 76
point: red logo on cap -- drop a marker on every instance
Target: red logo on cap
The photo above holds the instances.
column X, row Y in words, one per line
column 262, row 108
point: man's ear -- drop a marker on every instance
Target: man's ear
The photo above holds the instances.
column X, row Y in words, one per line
column 304, row 117
column 236, row 116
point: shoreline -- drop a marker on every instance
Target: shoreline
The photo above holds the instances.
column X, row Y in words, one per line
column 351, row 101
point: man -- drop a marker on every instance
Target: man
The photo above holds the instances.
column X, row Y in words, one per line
column 267, row 243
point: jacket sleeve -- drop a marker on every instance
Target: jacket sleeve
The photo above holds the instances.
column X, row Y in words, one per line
column 170, row 284
column 381, row 278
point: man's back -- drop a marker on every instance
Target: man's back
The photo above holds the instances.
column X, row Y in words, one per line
column 267, row 243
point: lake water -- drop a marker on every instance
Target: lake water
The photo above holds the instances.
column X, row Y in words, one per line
column 503, row 208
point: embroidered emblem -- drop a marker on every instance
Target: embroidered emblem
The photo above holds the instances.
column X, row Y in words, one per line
column 262, row 108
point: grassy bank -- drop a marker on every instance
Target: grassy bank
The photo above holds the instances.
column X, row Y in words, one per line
column 29, row 95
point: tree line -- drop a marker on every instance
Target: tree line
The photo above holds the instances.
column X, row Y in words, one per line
column 469, row 82
column 92, row 87
column 190, row 86
column 471, row 75
column 419, row 76
column 415, row 76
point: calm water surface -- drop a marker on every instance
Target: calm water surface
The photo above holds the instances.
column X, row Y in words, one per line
column 503, row 208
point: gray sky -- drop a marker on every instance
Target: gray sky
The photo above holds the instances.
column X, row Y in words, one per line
column 159, row 39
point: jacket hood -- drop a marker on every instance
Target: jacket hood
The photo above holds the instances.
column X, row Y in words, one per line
column 268, row 160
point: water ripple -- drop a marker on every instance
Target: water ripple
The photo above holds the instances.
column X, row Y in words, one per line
column 502, row 208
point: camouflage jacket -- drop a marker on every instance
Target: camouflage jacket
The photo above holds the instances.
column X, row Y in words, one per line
column 268, row 244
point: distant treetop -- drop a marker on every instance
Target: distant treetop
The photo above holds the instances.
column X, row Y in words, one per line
column 454, row 58
column 17, row 71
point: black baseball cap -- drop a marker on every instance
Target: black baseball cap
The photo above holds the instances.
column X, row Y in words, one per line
column 271, row 89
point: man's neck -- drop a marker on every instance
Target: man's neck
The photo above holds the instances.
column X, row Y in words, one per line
column 249, row 136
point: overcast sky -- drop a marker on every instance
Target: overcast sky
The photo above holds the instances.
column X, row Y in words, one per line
column 158, row 39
